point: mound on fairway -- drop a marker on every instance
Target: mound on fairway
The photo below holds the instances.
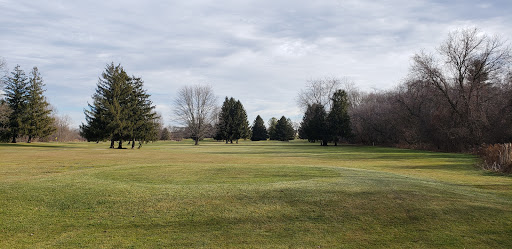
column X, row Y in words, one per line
column 254, row 194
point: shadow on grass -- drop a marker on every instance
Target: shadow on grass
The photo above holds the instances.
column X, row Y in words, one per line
column 38, row 145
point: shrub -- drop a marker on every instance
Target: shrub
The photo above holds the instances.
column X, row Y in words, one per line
column 497, row 157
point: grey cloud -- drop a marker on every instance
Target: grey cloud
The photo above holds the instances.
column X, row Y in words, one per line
column 261, row 52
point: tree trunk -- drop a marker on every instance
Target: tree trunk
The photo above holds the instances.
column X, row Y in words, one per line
column 324, row 143
column 196, row 141
column 133, row 143
column 237, row 141
column 112, row 144
column 120, row 144
column 13, row 139
column 29, row 139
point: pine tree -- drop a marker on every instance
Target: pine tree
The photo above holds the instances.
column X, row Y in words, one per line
column 240, row 123
column 38, row 122
column 232, row 124
column 314, row 126
column 142, row 117
column 121, row 110
column 16, row 96
column 166, row 134
column 259, row 131
column 272, row 135
column 284, row 129
column 338, row 118
column 5, row 112
column 225, row 124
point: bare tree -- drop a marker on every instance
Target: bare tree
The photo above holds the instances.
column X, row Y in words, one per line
column 468, row 66
column 320, row 91
column 3, row 75
column 195, row 107
column 63, row 132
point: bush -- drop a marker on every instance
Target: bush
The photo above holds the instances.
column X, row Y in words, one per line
column 497, row 157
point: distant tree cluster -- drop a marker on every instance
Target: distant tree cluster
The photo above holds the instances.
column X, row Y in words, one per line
column 233, row 124
column 453, row 100
column 24, row 111
column 318, row 125
column 281, row 129
column 121, row 110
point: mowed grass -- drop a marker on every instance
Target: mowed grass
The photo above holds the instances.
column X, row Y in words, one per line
column 248, row 195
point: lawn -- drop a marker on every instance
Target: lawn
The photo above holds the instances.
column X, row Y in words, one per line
column 249, row 195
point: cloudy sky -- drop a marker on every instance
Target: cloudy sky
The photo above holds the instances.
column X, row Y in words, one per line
column 261, row 52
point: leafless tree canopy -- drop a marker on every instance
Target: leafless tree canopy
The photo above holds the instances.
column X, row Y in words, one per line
column 3, row 73
column 455, row 99
column 320, row 91
column 194, row 108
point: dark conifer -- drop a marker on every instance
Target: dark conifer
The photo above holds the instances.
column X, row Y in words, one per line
column 232, row 124
column 259, row 131
column 121, row 110
column 284, row 129
column 16, row 96
column 38, row 120
column 314, row 126
column 272, row 135
column 338, row 119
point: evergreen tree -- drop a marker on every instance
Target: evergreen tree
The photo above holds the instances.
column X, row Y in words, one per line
column 166, row 134
column 314, row 125
column 121, row 110
column 232, row 124
column 16, row 96
column 259, row 131
column 142, row 117
column 284, row 130
column 225, row 124
column 338, row 118
column 5, row 112
column 272, row 135
column 38, row 122
column 240, row 122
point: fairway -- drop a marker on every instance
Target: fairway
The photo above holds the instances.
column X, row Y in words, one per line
column 248, row 195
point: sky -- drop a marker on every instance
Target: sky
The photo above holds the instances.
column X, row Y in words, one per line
column 261, row 52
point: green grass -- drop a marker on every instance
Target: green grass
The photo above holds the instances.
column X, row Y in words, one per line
column 249, row 195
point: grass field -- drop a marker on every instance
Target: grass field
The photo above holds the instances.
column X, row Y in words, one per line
column 250, row 195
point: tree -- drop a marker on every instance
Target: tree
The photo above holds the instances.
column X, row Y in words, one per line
column 320, row 91
column 259, row 131
column 463, row 76
column 272, row 134
column 240, row 122
column 284, row 129
column 144, row 120
column 16, row 95
column 5, row 112
column 108, row 117
column 338, row 119
column 63, row 132
column 166, row 134
column 194, row 107
column 121, row 110
column 38, row 120
column 314, row 125
column 232, row 121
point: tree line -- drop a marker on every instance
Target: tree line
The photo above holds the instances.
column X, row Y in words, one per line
column 195, row 108
column 455, row 99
